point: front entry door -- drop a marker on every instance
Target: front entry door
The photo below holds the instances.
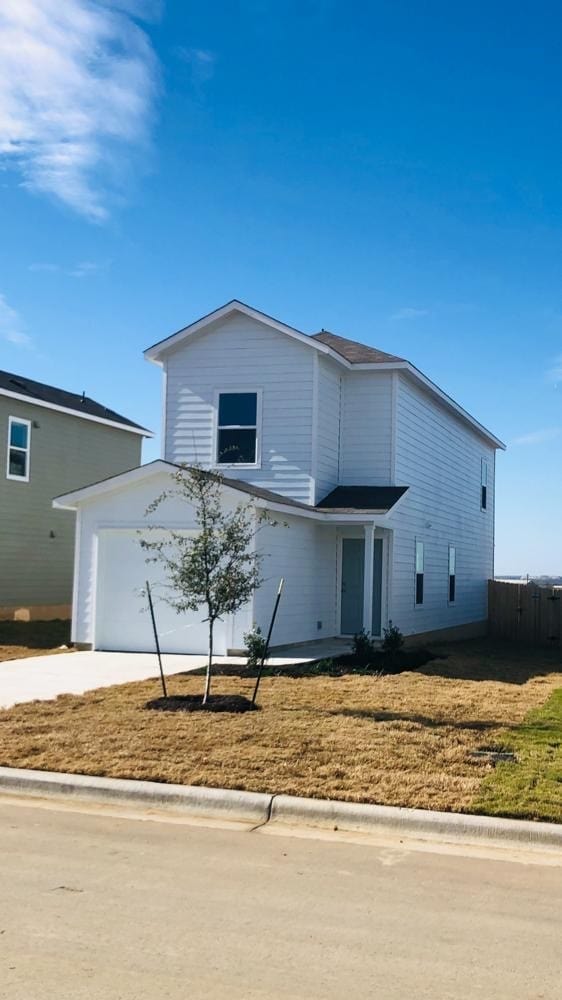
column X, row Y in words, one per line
column 352, row 571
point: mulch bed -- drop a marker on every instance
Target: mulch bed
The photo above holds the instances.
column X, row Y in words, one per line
column 194, row 703
column 340, row 666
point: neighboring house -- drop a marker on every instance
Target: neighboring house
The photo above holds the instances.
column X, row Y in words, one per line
column 50, row 440
column 386, row 486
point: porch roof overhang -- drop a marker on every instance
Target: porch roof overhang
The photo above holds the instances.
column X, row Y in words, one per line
column 373, row 504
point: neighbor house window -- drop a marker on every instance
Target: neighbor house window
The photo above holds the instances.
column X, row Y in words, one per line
column 452, row 573
column 419, row 572
column 484, row 485
column 237, row 433
column 19, row 437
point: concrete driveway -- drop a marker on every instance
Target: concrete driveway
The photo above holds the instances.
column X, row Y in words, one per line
column 44, row 677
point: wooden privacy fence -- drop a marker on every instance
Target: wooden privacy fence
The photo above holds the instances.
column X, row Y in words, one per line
column 526, row 612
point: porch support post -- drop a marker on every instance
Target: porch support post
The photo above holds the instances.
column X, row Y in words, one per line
column 369, row 530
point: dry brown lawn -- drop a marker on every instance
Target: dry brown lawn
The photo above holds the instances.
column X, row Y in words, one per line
column 400, row 740
column 19, row 640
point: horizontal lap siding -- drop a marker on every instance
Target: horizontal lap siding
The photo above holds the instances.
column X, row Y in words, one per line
column 304, row 553
column 439, row 457
column 366, row 443
column 243, row 354
column 125, row 508
column 298, row 549
column 328, row 429
column 37, row 541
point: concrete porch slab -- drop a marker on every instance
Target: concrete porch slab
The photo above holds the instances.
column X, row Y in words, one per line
column 44, row 677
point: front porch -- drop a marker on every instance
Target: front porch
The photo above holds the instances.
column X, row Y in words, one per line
column 362, row 579
column 336, row 573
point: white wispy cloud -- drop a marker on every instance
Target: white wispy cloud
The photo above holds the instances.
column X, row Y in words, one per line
column 409, row 313
column 11, row 325
column 554, row 373
column 83, row 269
column 538, row 437
column 78, row 80
column 201, row 61
column 43, row 267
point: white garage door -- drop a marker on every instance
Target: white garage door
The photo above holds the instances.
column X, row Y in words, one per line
column 122, row 617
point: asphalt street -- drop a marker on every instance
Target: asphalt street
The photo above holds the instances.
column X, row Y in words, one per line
column 123, row 909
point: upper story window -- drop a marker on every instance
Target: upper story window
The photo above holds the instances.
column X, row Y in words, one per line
column 237, row 428
column 19, row 439
column 419, row 571
column 484, row 485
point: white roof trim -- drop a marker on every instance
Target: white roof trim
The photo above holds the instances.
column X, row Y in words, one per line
column 450, row 403
column 331, row 516
column 74, row 413
column 155, row 352
column 70, row 501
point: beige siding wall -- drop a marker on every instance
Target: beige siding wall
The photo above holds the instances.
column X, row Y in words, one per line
column 37, row 542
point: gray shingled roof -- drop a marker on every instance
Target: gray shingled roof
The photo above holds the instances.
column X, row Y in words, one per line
column 352, row 498
column 343, row 499
column 60, row 397
column 353, row 351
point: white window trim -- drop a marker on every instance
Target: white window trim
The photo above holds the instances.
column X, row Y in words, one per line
column 27, row 451
column 419, row 541
column 234, row 391
column 449, row 574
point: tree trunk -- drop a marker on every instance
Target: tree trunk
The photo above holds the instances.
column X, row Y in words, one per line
column 209, row 664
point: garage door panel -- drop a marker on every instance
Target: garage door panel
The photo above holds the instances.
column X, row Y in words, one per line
column 122, row 618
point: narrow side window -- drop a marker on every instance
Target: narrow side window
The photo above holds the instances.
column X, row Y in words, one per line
column 19, row 439
column 452, row 573
column 419, row 571
column 484, row 485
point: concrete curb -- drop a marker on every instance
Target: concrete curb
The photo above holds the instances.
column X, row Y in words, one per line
column 261, row 809
column 363, row 818
column 212, row 803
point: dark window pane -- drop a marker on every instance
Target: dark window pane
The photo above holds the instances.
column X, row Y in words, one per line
column 18, row 435
column 238, row 409
column 484, row 497
column 452, row 584
column 237, row 446
column 419, row 588
column 18, row 463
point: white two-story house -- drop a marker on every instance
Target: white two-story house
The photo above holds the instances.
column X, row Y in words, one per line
column 383, row 484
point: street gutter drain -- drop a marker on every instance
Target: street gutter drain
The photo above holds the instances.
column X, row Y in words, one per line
column 495, row 755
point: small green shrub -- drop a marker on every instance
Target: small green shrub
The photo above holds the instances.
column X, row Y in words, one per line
column 255, row 647
column 363, row 647
column 393, row 640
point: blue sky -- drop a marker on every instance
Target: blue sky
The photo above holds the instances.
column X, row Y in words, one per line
column 388, row 171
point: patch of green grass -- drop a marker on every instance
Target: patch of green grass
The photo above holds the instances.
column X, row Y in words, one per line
column 531, row 788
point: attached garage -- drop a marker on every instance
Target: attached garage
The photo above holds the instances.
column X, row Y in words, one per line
column 109, row 610
column 122, row 619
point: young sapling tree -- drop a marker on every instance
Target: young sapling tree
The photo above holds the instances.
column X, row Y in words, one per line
column 218, row 568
